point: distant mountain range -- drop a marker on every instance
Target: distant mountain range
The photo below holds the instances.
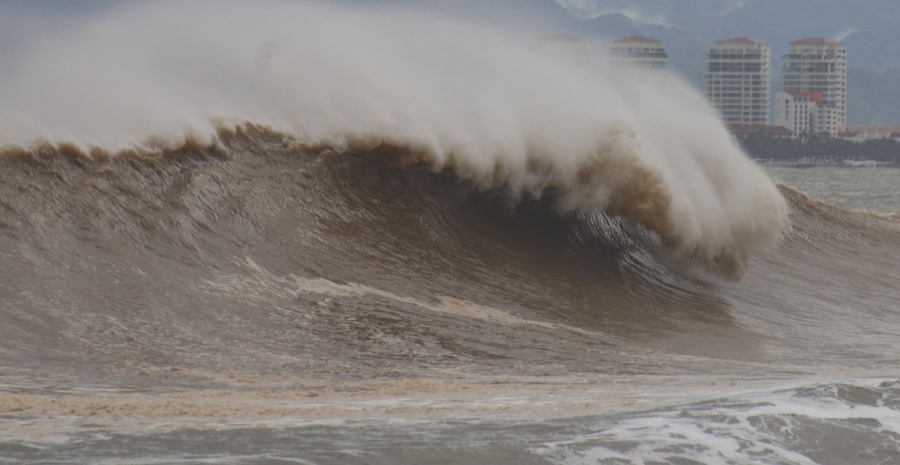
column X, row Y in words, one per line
column 867, row 27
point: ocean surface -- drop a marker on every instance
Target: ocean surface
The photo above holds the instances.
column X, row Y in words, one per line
column 252, row 245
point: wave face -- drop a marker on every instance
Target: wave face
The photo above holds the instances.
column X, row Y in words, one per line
column 176, row 252
column 460, row 97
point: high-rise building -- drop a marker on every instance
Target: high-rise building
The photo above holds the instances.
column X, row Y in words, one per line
column 820, row 65
column 639, row 53
column 738, row 81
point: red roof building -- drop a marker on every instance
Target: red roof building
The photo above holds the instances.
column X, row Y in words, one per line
column 819, row 67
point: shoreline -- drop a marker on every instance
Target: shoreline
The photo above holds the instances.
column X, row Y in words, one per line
column 837, row 164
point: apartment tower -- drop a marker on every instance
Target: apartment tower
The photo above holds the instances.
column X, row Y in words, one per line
column 738, row 81
column 818, row 67
column 639, row 53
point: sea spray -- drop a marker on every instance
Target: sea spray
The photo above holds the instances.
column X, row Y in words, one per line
column 416, row 88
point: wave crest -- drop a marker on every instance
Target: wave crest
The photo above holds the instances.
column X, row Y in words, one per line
column 613, row 178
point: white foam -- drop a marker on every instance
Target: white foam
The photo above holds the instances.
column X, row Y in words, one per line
column 756, row 427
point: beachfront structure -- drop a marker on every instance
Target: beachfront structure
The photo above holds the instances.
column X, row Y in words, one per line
column 820, row 66
column 638, row 53
column 792, row 110
column 738, row 81
column 864, row 133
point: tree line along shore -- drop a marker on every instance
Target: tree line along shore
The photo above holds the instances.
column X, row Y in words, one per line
column 820, row 150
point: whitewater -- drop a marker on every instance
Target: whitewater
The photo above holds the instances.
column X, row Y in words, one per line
column 294, row 232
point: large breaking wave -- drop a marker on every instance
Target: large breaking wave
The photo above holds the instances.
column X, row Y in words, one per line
column 280, row 231
column 413, row 88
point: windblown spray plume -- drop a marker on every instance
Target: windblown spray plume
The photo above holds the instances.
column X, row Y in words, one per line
column 414, row 88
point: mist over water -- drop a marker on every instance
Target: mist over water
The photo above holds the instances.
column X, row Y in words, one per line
column 447, row 93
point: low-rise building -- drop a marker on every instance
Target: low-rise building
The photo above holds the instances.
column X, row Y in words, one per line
column 806, row 113
column 864, row 133
column 792, row 111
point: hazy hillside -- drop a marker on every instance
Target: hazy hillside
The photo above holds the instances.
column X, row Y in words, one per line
column 865, row 26
column 873, row 98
